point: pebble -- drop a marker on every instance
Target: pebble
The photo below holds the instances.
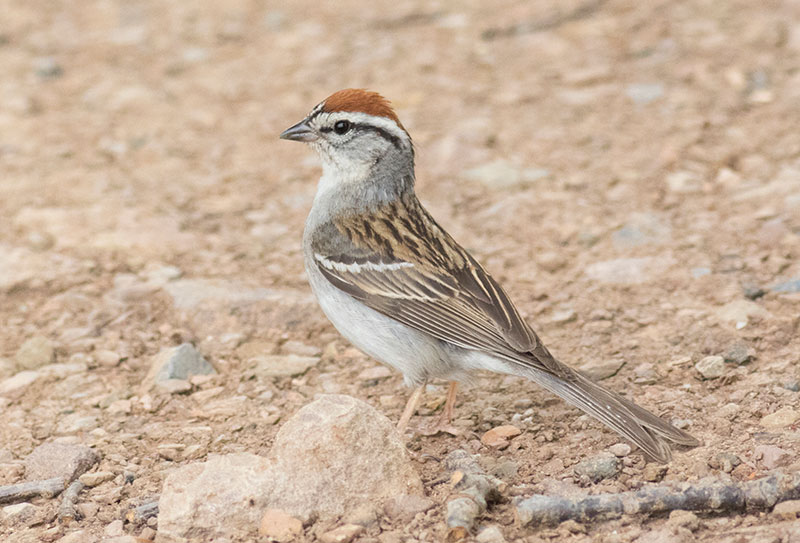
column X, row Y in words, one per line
column 364, row 515
column 177, row 363
column 36, row 352
column 684, row 182
column 343, row 534
column 644, row 93
column 599, row 369
column 550, row 261
column 490, row 534
column 620, row 450
column 282, row 365
column 96, row 478
column 711, row 367
column 783, row 417
column 597, row 468
column 788, row 510
column 725, row 462
column 683, row 519
column 18, row 383
column 739, row 312
column 50, row 460
column 323, row 462
column 772, row 457
column 642, row 229
column 107, row 358
column 300, row 348
column 404, row 507
column 278, row 525
column 654, row 472
column 47, row 68
column 19, row 513
column 175, row 386
column 500, row 436
column 562, row 316
column 114, row 529
column 739, row 354
column 793, row 285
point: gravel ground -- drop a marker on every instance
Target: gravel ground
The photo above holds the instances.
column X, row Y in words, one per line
column 630, row 171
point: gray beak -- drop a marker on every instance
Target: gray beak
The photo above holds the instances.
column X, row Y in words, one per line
column 299, row 132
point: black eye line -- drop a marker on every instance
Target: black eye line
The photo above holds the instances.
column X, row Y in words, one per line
column 385, row 134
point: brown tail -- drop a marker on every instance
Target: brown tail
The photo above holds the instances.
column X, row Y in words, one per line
column 646, row 430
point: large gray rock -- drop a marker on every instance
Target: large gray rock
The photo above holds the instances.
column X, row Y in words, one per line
column 332, row 456
column 50, row 460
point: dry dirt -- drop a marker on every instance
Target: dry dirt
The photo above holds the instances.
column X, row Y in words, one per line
column 146, row 201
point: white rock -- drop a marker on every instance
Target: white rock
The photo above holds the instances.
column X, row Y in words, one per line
column 36, row 352
column 490, row 534
column 332, row 456
column 783, row 417
column 711, row 367
column 96, row 478
column 739, row 312
column 17, row 383
column 18, row 513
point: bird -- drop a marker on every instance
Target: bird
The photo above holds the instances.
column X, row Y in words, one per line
column 396, row 285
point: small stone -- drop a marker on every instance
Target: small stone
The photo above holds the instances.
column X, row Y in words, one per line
column 644, row 93
column 301, row 349
column 563, row 316
column 96, row 478
column 772, row 457
column 279, row 525
column 342, row 534
column 783, row 417
column 725, row 461
column 47, row 68
column 404, row 507
column 114, row 529
column 551, row 261
column 50, row 460
column 499, row 437
column 7, row 368
column 178, row 363
column 106, row 358
column 19, row 513
column 597, row 468
column 788, row 510
column 175, row 386
column 654, row 472
column 684, row 182
column 36, row 352
column 490, row 534
column 121, row 407
column 738, row 354
column 739, row 312
column 288, row 365
column 18, row 383
column 787, row 287
column 364, row 515
column 642, row 229
column 711, row 367
column 620, row 450
column 374, row 373
column 501, row 174
column 753, row 292
column 147, row 534
column 683, row 519
column 599, row 369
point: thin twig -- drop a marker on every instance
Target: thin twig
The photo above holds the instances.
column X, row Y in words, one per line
column 708, row 494
column 141, row 513
column 47, row 488
column 67, row 510
column 476, row 491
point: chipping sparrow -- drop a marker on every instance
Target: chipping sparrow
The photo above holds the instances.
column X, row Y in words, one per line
column 396, row 285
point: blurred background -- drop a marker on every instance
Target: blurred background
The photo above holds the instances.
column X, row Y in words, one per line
column 630, row 171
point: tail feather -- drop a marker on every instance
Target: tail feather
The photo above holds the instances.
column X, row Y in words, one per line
column 643, row 428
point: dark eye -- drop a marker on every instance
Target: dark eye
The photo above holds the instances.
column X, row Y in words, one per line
column 341, row 127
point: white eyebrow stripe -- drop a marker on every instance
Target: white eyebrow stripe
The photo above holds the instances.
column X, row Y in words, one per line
column 358, row 268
